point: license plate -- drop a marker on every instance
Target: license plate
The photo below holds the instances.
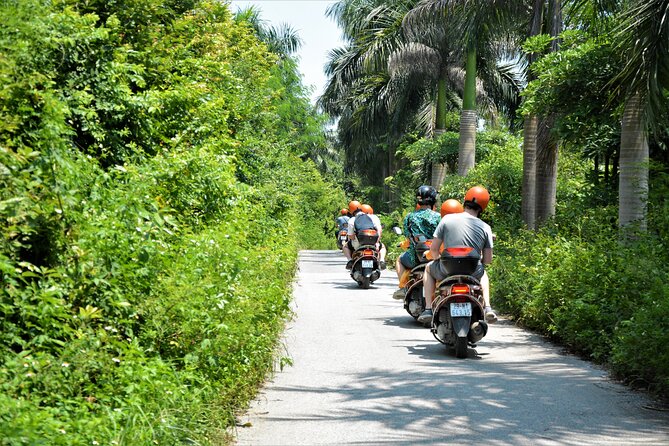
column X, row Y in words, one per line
column 461, row 309
column 343, row 238
column 368, row 263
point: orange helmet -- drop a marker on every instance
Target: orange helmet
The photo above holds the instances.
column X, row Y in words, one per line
column 477, row 195
column 451, row 206
column 344, row 211
column 367, row 209
column 353, row 206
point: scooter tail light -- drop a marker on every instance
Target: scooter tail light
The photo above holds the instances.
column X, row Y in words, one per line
column 368, row 252
column 460, row 289
column 460, row 251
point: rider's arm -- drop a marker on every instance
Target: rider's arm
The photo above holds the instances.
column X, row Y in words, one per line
column 434, row 248
column 487, row 256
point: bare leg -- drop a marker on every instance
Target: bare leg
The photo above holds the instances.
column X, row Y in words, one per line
column 490, row 315
column 485, row 288
column 347, row 252
column 399, row 269
column 428, row 287
column 382, row 252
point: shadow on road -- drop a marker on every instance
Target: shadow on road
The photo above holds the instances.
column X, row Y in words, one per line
column 502, row 400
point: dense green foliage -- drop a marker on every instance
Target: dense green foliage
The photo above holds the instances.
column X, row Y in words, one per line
column 573, row 280
column 580, row 279
column 153, row 196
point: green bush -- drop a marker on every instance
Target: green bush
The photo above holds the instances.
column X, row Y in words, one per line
column 574, row 280
column 152, row 201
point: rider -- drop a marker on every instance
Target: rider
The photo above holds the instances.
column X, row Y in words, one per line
column 353, row 243
column 353, row 210
column 462, row 229
column 342, row 221
column 419, row 225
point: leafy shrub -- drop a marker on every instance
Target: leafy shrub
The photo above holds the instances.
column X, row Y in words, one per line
column 151, row 205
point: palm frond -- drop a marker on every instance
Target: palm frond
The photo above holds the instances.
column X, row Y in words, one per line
column 644, row 36
column 415, row 58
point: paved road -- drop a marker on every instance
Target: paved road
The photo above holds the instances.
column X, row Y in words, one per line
column 365, row 373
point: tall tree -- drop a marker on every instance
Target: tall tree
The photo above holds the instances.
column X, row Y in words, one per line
column 547, row 144
column 644, row 36
column 530, row 129
column 475, row 24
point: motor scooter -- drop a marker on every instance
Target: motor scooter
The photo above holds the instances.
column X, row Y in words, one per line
column 342, row 238
column 366, row 267
column 459, row 306
column 414, row 301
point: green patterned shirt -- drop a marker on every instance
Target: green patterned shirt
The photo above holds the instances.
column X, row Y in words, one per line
column 420, row 222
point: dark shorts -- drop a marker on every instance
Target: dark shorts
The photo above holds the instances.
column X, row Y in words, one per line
column 407, row 260
column 439, row 274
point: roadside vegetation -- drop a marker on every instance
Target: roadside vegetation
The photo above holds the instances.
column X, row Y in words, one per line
column 161, row 166
column 560, row 109
column 157, row 178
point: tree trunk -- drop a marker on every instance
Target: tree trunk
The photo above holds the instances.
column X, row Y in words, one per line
column 633, row 180
column 547, row 161
column 467, row 145
column 547, row 146
column 529, row 193
column 439, row 169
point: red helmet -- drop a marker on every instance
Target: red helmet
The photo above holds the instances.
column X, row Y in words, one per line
column 353, row 206
column 344, row 211
column 451, row 206
column 477, row 195
column 367, row 209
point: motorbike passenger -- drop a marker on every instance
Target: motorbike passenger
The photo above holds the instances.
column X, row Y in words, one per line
column 462, row 229
column 418, row 226
column 353, row 244
column 353, row 209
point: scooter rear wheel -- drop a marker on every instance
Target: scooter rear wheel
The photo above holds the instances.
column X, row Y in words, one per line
column 364, row 283
column 461, row 347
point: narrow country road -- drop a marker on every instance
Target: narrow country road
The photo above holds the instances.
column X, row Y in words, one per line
column 365, row 373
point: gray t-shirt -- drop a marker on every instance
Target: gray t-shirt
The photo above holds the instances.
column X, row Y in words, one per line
column 463, row 229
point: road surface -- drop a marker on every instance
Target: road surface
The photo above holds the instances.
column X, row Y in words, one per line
column 365, row 373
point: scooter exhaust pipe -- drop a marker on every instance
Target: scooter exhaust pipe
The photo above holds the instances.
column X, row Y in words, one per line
column 477, row 331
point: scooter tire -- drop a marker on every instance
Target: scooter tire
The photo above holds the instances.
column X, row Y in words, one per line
column 461, row 347
column 364, row 283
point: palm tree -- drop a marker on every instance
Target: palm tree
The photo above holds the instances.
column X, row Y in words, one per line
column 282, row 40
column 530, row 131
column 474, row 24
column 547, row 145
column 644, row 36
column 393, row 76
column 373, row 109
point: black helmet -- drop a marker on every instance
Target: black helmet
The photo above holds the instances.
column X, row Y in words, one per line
column 426, row 195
